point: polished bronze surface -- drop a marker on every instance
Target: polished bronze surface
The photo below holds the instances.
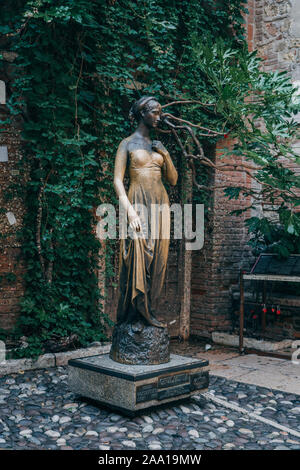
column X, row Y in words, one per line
column 143, row 258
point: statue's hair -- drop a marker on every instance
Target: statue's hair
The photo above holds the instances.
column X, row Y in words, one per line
column 142, row 103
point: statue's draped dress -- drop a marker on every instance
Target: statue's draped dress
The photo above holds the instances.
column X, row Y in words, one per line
column 143, row 258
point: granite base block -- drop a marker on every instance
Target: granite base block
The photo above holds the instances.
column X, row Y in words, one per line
column 130, row 388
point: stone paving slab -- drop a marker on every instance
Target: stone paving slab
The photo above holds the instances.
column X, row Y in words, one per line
column 275, row 373
column 267, row 378
column 278, row 374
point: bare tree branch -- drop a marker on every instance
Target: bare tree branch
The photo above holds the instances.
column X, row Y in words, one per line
column 268, row 191
column 211, row 132
column 187, row 102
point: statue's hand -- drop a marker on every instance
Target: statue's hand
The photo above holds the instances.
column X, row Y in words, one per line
column 134, row 220
column 159, row 147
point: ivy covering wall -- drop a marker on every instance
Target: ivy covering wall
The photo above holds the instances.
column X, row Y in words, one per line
column 79, row 66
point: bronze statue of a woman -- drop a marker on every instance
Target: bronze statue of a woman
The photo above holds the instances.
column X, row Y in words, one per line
column 139, row 337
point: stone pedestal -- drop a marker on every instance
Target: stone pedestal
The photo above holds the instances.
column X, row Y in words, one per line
column 130, row 388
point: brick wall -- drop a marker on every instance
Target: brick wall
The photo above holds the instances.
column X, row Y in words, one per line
column 272, row 28
column 277, row 34
column 12, row 211
column 215, row 269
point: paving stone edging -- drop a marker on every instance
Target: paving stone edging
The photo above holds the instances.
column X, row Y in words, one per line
column 50, row 360
column 228, row 339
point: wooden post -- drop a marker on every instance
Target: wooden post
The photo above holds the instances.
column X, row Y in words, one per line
column 101, row 275
column 241, row 339
column 186, row 259
column 185, row 310
column 102, row 251
column 264, row 314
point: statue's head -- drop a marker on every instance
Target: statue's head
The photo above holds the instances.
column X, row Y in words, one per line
column 146, row 109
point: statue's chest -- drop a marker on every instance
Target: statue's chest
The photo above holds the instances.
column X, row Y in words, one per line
column 142, row 157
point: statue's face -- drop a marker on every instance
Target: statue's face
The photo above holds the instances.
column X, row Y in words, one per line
column 151, row 114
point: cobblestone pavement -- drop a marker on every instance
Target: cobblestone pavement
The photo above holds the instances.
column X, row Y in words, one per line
column 37, row 411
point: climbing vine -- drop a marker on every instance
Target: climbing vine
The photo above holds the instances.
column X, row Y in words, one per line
column 78, row 67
